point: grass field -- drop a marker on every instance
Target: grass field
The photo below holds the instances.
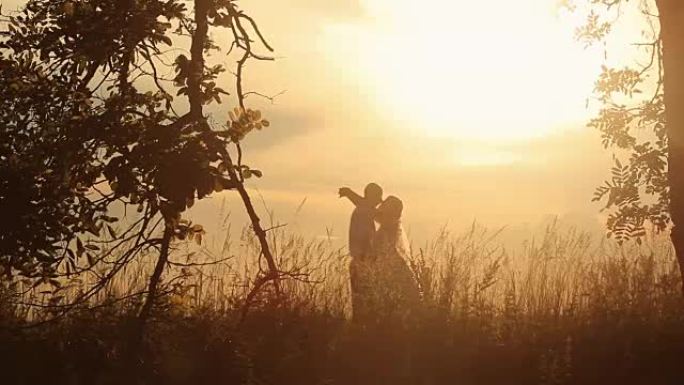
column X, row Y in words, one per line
column 565, row 308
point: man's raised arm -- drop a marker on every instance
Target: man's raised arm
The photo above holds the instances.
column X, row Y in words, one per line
column 355, row 198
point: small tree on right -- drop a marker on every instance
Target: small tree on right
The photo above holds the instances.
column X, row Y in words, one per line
column 642, row 117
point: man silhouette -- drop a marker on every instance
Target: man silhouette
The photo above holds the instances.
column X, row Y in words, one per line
column 361, row 235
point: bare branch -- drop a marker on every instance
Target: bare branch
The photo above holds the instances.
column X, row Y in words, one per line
column 267, row 97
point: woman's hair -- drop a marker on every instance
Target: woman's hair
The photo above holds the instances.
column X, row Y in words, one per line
column 391, row 227
column 392, row 208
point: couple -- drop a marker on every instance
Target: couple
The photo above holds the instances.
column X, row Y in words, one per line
column 382, row 284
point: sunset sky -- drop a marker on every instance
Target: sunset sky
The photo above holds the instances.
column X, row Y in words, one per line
column 466, row 110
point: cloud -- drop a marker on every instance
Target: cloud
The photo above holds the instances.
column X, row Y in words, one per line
column 334, row 9
column 285, row 125
column 9, row 6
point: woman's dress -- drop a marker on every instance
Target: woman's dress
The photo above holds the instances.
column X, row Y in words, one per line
column 383, row 286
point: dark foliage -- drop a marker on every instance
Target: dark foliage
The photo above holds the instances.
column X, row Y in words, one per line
column 88, row 129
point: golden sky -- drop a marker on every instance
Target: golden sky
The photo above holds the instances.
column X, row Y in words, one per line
column 466, row 110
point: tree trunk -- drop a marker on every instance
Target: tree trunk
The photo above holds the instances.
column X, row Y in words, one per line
column 672, row 33
column 199, row 39
column 155, row 280
column 135, row 354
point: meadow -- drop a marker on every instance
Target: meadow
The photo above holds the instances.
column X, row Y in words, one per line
column 564, row 308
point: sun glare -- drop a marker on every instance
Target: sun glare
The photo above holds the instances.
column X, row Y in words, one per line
column 497, row 70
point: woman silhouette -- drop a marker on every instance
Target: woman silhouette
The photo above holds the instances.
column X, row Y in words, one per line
column 392, row 292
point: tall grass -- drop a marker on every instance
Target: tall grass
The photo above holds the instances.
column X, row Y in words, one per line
column 564, row 308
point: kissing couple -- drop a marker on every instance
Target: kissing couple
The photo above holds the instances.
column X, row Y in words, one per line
column 382, row 284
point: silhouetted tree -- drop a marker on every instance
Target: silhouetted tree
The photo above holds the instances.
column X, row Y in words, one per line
column 648, row 185
column 88, row 128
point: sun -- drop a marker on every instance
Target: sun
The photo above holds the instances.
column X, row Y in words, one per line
column 496, row 70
